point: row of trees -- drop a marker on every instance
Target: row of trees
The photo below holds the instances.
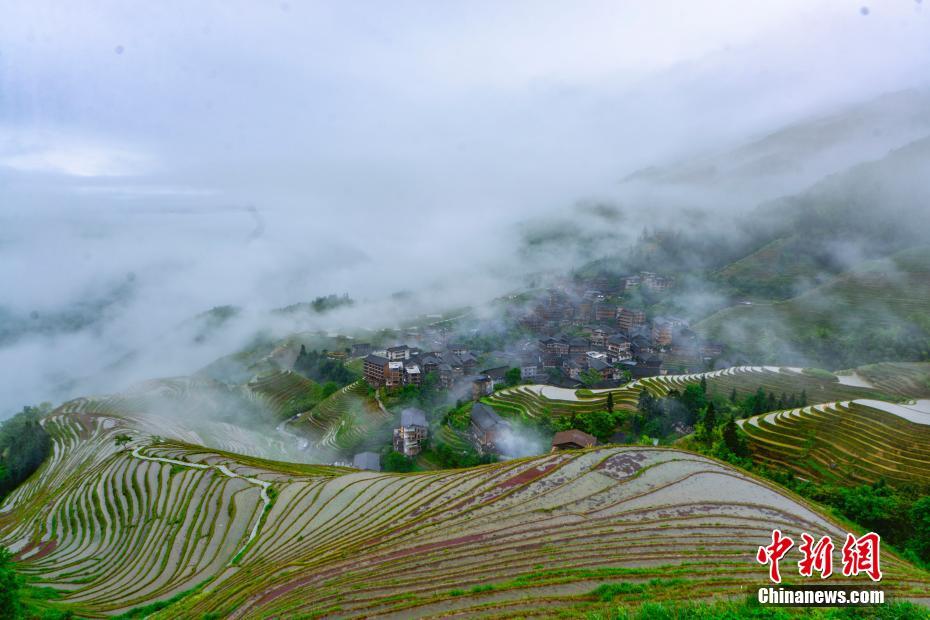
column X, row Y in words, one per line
column 762, row 401
column 601, row 424
column 679, row 413
column 321, row 368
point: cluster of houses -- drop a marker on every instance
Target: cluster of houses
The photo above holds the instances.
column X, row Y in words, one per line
column 609, row 337
column 405, row 365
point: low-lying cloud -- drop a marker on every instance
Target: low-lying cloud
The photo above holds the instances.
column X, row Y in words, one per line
column 158, row 162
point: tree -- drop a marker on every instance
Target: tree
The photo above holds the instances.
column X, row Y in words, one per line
column 710, row 422
column 330, row 388
column 513, row 376
column 590, row 376
column 610, row 402
column 703, row 384
column 876, row 506
column 647, row 405
column 9, row 586
column 319, row 367
column 430, row 390
column 24, row 445
column 122, row 439
column 733, row 396
column 601, row 424
column 920, row 522
column 395, row 461
column 694, row 401
column 733, row 440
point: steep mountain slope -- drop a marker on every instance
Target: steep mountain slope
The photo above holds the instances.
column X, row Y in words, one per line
column 869, row 211
column 117, row 526
column 873, row 313
column 800, row 153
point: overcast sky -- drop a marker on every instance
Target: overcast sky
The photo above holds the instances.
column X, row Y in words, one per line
column 267, row 152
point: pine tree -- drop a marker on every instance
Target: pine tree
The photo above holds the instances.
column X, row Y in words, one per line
column 732, row 439
column 610, row 402
column 646, row 402
column 704, row 384
column 733, row 396
column 710, row 421
column 770, row 402
column 710, row 417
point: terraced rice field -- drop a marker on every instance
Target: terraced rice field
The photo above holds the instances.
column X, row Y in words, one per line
column 285, row 392
column 186, row 409
column 542, row 400
column 457, row 440
column 852, row 441
column 747, row 379
column 115, row 528
column 343, row 420
column 908, row 380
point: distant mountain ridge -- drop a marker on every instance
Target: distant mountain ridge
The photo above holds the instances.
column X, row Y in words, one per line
column 798, row 154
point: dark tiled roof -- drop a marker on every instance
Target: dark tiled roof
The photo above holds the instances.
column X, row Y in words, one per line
column 413, row 417
column 496, row 373
column 367, row 460
column 485, row 418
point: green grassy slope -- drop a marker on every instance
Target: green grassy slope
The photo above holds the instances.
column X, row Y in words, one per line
column 775, row 270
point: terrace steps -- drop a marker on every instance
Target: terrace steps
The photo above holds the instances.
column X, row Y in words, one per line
column 118, row 531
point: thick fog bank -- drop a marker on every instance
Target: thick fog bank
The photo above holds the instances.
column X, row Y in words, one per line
column 160, row 160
